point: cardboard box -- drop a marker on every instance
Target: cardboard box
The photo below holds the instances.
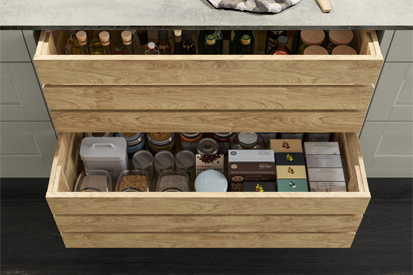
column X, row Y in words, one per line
column 292, row 185
column 321, row 148
column 338, row 186
column 289, row 159
column 323, row 161
column 250, row 166
column 216, row 163
column 325, row 174
column 286, row 145
column 259, row 187
column 291, row 172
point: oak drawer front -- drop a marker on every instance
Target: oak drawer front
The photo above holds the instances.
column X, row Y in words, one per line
column 232, row 219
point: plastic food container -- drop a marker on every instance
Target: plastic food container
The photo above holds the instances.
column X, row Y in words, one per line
column 173, row 181
column 185, row 161
column 93, row 181
column 143, row 160
column 133, row 181
column 164, row 161
column 211, row 181
column 104, row 153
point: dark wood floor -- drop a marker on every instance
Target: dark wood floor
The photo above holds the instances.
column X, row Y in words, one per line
column 30, row 243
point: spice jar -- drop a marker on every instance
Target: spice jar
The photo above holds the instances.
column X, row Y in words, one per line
column 315, row 50
column 207, row 146
column 310, row 38
column 93, row 181
column 98, row 134
column 344, row 50
column 185, row 161
column 161, row 142
column 267, row 137
column 134, row 142
column 211, row 181
column 339, row 37
column 224, row 140
column 247, row 141
column 133, row 181
column 189, row 141
column 173, row 181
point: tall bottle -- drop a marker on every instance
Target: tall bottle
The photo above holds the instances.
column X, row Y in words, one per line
column 140, row 41
column 151, row 49
column 94, row 45
column 81, row 38
column 235, row 41
column 281, row 48
column 271, row 41
column 188, row 45
column 211, row 41
column 202, row 41
column 71, row 46
column 178, row 41
column 163, row 43
column 127, row 42
column 105, row 41
column 245, row 45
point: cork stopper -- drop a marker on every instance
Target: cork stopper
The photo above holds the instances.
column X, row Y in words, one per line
column 210, row 39
column 341, row 37
column 315, row 50
column 177, row 32
column 104, row 38
column 187, row 35
column 246, row 39
column 343, row 50
column 81, row 37
column 312, row 37
column 151, row 45
column 126, row 37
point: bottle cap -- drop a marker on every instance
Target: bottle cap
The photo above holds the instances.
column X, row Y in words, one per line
column 315, row 50
column 187, row 35
column 163, row 35
column 81, row 37
column 312, row 37
column 344, row 50
column 343, row 37
column 282, row 40
column 246, row 39
column 177, row 32
column 126, row 37
column 210, row 39
column 104, row 38
column 151, row 45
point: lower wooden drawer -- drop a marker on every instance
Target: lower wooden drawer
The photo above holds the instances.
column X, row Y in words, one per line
column 232, row 219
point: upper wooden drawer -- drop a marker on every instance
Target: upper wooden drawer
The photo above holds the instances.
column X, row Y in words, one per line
column 57, row 69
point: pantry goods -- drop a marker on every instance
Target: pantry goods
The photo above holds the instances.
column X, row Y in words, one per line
column 173, row 181
column 133, row 181
column 93, row 181
column 211, row 181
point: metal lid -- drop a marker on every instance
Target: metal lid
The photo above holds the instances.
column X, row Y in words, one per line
column 161, row 142
column 90, row 134
column 103, row 149
column 191, row 135
column 207, row 146
column 247, row 139
column 223, row 135
column 282, row 40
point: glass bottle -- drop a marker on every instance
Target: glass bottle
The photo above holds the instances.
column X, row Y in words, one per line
column 188, row 45
column 178, row 41
column 105, row 41
column 163, row 43
column 281, row 48
column 81, row 38
column 210, row 49
column 235, row 42
column 71, row 46
column 246, row 44
column 94, row 45
column 127, row 42
column 271, row 41
column 140, row 41
column 151, row 48
column 202, row 41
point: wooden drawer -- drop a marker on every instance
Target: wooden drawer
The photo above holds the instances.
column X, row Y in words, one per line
column 232, row 219
column 191, row 93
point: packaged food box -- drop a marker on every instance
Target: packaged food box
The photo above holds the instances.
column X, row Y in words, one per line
column 324, row 186
column 291, row 172
column 250, row 166
column 325, row 174
column 323, row 161
column 321, row 148
column 286, row 145
column 259, row 187
column 289, row 159
column 292, row 185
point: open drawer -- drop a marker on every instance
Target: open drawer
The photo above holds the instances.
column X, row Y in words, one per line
column 191, row 219
column 296, row 93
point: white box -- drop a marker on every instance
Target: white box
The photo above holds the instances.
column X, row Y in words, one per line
column 323, row 161
column 321, row 148
column 325, row 174
column 325, row 186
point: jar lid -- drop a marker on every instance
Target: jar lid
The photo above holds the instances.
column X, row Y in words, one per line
column 129, row 136
column 315, row 50
column 247, row 139
column 344, row 50
column 343, row 37
column 191, row 135
column 282, row 40
column 313, row 37
column 90, row 134
column 103, row 149
column 207, row 146
column 160, row 142
column 159, row 136
column 223, row 135
column 211, row 181
column 151, row 45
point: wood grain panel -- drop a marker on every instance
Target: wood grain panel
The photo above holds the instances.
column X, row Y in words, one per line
column 207, row 223
column 207, row 97
column 208, row 240
column 208, row 70
column 213, row 121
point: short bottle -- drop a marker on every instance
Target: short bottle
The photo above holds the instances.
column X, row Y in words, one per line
column 178, row 41
column 188, row 45
column 245, row 44
column 81, row 37
column 105, row 41
column 271, row 41
column 210, row 49
column 71, row 46
column 127, row 41
column 163, row 43
column 281, row 48
column 151, row 49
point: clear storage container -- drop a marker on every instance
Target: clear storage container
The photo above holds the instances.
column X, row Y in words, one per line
column 93, row 181
column 133, row 181
column 173, row 181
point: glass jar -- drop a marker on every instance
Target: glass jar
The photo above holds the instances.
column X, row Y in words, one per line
column 98, row 134
column 267, row 137
column 339, row 37
column 133, row 181
column 93, row 181
column 207, row 146
column 135, row 142
column 310, row 38
column 224, row 140
column 247, row 141
column 173, row 181
column 161, row 142
column 189, row 141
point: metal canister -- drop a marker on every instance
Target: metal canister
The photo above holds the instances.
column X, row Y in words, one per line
column 207, row 146
column 161, row 142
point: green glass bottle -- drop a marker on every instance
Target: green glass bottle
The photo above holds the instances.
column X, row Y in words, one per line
column 246, row 45
column 105, row 42
column 211, row 48
column 202, row 41
column 71, row 46
column 81, row 37
column 235, row 41
column 94, row 45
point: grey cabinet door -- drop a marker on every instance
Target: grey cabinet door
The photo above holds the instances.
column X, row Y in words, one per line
column 401, row 49
column 387, row 149
column 27, row 149
column 20, row 96
column 12, row 47
column 393, row 98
